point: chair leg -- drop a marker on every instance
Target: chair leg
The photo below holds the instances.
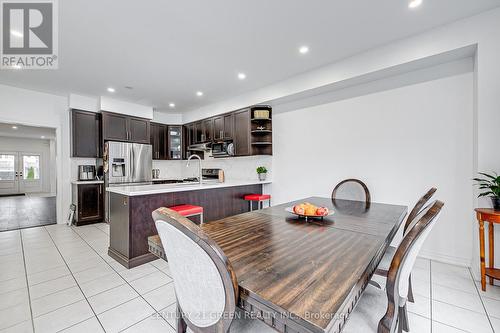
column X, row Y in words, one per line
column 181, row 324
column 201, row 218
column 410, row 291
column 251, row 206
column 261, row 203
column 403, row 324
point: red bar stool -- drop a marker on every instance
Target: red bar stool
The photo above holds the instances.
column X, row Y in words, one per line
column 189, row 210
column 260, row 198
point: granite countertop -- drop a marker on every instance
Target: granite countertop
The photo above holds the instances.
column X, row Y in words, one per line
column 182, row 187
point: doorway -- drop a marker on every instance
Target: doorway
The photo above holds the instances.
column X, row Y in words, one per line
column 20, row 173
column 27, row 176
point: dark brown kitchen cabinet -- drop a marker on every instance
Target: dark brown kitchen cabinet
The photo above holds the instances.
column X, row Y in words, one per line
column 241, row 138
column 198, row 132
column 139, row 130
column 89, row 201
column 207, row 130
column 223, row 127
column 174, row 142
column 85, row 134
column 158, row 141
column 119, row 127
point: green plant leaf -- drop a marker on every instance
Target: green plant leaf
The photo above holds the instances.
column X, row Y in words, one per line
column 486, row 175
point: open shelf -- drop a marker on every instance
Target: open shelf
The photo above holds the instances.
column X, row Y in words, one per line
column 261, row 131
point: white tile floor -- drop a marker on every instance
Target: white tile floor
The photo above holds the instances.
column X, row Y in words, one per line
column 60, row 279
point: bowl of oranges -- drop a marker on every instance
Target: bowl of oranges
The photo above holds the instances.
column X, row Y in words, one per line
column 309, row 211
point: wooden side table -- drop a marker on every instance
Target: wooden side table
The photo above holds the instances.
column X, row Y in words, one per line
column 491, row 216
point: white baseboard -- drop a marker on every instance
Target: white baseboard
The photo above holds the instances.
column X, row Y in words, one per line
column 447, row 259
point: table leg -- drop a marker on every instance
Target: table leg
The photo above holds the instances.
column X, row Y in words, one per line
column 491, row 241
column 481, row 255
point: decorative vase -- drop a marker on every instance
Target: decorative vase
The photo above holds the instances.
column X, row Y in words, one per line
column 496, row 203
column 262, row 176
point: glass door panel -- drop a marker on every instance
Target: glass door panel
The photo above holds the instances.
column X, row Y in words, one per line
column 9, row 180
column 30, row 173
column 31, row 167
column 175, row 142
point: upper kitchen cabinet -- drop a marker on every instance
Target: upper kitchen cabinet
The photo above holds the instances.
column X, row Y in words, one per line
column 241, row 137
column 119, row 127
column 223, row 127
column 158, row 141
column 139, row 130
column 85, row 134
column 207, row 130
column 175, row 142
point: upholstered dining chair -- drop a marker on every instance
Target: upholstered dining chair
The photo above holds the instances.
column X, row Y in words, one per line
column 204, row 281
column 351, row 189
column 385, row 263
column 381, row 312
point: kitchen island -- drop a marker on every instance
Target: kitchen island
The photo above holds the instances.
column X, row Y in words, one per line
column 131, row 207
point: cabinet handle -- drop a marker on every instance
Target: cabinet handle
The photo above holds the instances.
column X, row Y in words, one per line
column 100, row 189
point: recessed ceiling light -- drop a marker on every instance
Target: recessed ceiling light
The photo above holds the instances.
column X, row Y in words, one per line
column 242, row 76
column 199, row 93
column 14, row 127
column 171, row 105
column 111, row 90
column 42, row 137
column 304, row 49
column 414, row 3
column 16, row 33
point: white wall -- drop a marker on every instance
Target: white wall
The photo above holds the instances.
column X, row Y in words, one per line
column 167, row 118
column 400, row 142
column 481, row 31
column 35, row 146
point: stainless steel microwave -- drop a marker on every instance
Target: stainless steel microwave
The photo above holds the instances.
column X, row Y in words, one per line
column 223, row 149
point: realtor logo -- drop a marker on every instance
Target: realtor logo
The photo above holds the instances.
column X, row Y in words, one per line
column 29, row 34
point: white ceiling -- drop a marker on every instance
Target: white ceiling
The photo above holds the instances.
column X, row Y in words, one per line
column 26, row 132
column 168, row 50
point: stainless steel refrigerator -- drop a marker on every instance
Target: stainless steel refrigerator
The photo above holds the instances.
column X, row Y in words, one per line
column 126, row 164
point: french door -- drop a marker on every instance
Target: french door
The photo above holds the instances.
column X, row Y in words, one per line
column 20, row 172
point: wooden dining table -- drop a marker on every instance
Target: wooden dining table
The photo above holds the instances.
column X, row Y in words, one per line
column 300, row 276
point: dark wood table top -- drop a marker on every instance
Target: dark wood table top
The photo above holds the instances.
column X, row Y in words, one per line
column 307, row 270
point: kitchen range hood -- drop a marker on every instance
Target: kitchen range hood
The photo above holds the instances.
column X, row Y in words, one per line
column 200, row 147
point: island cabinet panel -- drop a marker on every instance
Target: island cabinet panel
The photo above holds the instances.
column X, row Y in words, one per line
column 131, row 222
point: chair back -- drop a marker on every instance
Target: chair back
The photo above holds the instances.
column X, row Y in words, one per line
column 205, row 284
column 351, row 189
column 403, row 262
column 422, row 202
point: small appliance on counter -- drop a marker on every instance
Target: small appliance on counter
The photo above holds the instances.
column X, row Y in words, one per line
column 213, row 175
column 156, row 173
column 86, row 172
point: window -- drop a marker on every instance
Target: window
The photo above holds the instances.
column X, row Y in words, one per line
column 7, row 167
column 31, row 167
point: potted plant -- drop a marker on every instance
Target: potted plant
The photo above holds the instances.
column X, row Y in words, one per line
column 262, row 172
column 490, row 185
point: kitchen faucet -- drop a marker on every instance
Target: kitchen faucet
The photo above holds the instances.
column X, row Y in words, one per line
column 199, row 168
